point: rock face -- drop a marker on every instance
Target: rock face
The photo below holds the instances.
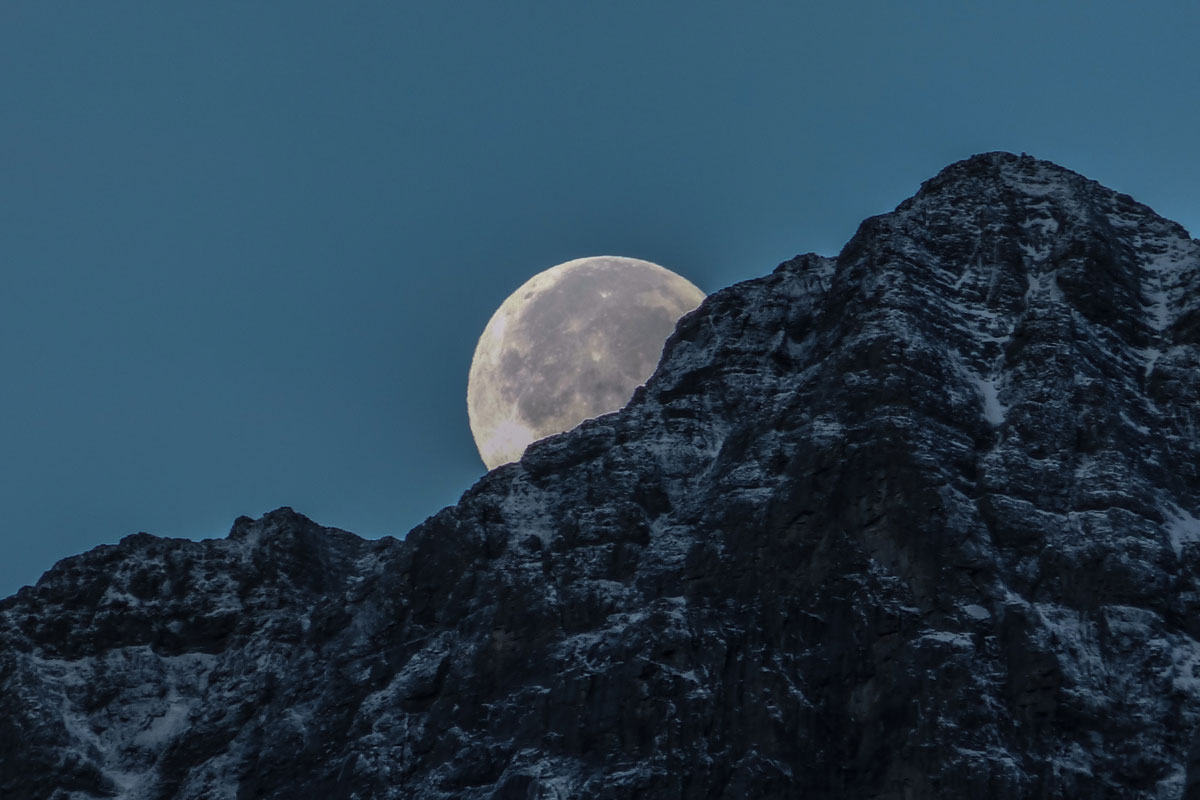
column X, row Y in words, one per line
column 920, row 521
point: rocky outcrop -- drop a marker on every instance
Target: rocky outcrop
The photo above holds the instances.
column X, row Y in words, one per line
column 920, row 521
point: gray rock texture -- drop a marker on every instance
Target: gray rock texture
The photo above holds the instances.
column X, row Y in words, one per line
column 920, row 521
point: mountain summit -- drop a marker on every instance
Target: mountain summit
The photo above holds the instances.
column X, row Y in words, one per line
column 919, row 521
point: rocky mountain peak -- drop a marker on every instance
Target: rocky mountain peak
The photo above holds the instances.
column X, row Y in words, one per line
column 919, row 521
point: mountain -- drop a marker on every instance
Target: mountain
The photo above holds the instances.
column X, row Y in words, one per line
column 918, row 521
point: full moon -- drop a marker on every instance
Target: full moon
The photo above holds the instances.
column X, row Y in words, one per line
column 571, row 344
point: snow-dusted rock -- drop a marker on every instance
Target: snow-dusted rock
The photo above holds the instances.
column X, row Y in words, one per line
column 920, row 521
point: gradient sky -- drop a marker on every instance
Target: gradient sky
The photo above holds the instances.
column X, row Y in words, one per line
column 247, row 248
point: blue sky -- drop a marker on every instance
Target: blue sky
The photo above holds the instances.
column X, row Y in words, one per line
column 247, row 248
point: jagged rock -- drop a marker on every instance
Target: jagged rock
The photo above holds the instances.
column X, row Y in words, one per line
column 920, row 521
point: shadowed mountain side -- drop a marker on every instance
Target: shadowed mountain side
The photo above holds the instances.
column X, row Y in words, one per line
column 920, row 521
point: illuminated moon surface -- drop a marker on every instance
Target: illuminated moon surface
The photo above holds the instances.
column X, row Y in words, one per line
column 571, row 344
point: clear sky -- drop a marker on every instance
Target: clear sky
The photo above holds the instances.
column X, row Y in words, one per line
column 246, row 249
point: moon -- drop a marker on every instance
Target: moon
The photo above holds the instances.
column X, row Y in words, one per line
column 571, row 344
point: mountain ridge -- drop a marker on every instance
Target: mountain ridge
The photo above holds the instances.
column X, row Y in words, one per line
column 917, row 521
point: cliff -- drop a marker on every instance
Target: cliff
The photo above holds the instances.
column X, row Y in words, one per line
column 918, row 521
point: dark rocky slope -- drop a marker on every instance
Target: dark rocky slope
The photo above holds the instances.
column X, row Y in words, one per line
column 920, row 521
